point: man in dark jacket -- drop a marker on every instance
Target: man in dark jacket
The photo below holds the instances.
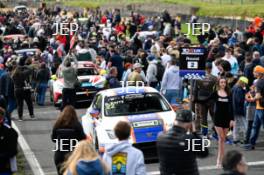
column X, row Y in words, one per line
column 117, row 61
column 43, row 76
column 202, row 91
column 111, row 79
column 8, row 145
column 178, row 150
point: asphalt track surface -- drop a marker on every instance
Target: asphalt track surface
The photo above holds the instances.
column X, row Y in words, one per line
column 35, row 140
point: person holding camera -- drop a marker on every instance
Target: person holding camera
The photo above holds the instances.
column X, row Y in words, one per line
column 69, row 74
column 20, row 77
column 179, row 142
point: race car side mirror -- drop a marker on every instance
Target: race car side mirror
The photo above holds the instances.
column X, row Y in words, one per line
column 95, row 113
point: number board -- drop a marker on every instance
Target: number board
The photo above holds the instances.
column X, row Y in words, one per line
column 192, row 62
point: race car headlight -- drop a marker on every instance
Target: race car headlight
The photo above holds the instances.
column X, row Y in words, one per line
column 111, row 134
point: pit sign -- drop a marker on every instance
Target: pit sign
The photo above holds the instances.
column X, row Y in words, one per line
column 192, row 62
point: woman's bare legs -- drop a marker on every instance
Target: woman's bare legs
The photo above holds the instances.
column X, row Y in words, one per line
column 222, row 132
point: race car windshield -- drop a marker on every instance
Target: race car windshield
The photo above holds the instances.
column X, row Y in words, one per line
column 86, row 72
column 131, row 104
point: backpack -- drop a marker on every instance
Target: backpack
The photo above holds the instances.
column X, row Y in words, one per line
column 205, row 88
column 160, row 71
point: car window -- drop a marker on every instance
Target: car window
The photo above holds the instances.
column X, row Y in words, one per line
column 135, row 104
column 86, row 72
column 98, row 102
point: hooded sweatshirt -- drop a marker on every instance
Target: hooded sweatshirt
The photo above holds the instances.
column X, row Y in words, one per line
column 123, row 158
column 85, row 167
column 152, row 71
column 171, row 79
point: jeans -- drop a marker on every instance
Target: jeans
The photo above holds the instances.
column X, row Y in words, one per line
column 173, row 95
column 258, row 120
column 41, row 92
column 240, row 126
column 249, row 129
column 68, row 97
column 11, row 104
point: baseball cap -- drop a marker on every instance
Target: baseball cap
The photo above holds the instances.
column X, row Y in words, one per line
column 243, row 79
column 151, row 57
column 137, row 65
column 184, row 115
column 259, row 69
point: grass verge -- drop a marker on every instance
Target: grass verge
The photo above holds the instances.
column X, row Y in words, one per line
column 242, row 8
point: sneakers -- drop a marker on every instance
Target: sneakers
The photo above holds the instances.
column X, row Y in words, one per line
column 20, row 119
column 32, row 117
column 215, row 136
column 249, row 147
column 236, row 142
column 228, row 141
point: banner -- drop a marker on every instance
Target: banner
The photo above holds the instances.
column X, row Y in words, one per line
column 192, row 62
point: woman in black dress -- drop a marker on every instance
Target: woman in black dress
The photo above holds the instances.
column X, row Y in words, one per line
column 223, row 118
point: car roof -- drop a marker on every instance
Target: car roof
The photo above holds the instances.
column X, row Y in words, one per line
column 127, row 90
column 20, row 6
column 13, row 36
column 85, row 64
column 26, row 50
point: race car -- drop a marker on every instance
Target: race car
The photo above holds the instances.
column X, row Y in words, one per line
column 144, row 108
column 20, row 9
column 28, row 52
column 90, row 83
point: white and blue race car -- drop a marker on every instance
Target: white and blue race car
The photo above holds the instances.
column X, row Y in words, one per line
column 144, row 108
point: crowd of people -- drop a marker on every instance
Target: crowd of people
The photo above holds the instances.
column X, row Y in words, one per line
column 134, row 49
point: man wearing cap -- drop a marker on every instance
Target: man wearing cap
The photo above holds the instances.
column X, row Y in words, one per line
column 238, row 95
column 135, row 76
column 259, row 113
column 8, row 145
column 178, row 148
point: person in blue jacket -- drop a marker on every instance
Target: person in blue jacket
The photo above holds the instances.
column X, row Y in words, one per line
column 85, row 161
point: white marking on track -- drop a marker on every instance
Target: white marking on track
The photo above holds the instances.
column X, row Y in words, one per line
column 29, row 155
column 212, row 167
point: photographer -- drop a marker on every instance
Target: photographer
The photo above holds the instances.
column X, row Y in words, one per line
column 177, row 143
column 69, row 74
